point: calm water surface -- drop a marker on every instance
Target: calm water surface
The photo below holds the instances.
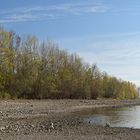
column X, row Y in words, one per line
column 117, row 117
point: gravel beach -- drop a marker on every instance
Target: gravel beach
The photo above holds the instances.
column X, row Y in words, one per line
column 56, row 119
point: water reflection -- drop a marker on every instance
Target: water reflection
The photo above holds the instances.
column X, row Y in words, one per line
column 117, row 117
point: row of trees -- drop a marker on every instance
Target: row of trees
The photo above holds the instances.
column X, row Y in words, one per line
column 33, row 70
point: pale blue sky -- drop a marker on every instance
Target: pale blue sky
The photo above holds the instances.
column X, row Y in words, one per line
column 106, row 32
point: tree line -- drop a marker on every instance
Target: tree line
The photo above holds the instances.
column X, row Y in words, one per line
column 30, row 69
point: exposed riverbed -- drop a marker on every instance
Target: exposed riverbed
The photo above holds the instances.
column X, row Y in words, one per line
column 31, row 119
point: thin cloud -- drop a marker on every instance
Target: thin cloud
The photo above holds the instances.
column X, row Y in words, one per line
column 132, row 10
column 117, row 54
column 51, row 12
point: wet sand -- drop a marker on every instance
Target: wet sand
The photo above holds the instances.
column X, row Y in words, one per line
column 32, row 119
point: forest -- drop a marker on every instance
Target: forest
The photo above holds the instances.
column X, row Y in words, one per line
column 30, row 69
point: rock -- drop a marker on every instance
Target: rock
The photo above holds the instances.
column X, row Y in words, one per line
column 52, row 126
column 2, row 128
column 107, row 124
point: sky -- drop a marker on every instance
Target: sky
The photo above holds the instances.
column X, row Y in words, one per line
column 105, row 32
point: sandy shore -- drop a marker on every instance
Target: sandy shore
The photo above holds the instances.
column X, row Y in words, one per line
column 32, row 119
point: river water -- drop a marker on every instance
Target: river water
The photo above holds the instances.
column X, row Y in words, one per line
column 117, row 117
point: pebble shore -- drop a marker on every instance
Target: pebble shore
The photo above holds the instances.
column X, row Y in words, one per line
column 56, row 119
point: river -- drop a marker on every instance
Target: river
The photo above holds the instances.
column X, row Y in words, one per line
column 117, row 117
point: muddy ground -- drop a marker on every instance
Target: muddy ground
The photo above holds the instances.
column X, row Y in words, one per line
column 57, row 120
